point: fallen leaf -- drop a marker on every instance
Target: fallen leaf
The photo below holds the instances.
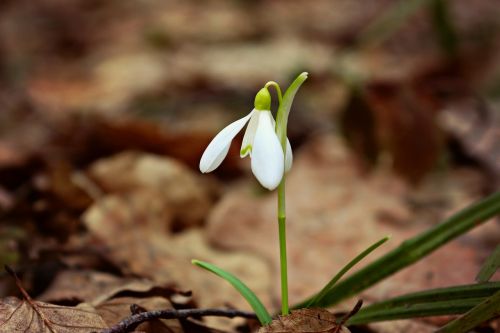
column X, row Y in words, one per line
column 100, row 287
column 305, row 321
column 112, row 298
column 170, row 183
column 140, row 211
column 391, row 118
column 37, row 317
column 475, row 126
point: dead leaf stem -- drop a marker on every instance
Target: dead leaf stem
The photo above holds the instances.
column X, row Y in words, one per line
column 28, row 298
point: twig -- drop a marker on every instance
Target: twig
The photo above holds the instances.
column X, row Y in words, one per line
column 133, row 321
column 351, row 313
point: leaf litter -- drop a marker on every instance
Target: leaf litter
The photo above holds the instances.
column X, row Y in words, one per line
column 97, row 182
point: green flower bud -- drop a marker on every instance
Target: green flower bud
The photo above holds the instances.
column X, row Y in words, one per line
column 263, row 100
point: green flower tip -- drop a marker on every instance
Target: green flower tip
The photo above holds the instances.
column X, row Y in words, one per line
column 263, row 100
column 195, row 262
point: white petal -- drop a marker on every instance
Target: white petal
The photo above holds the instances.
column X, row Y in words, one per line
column 246, row 145
column 288, row 156
column 267, row 155
column 218, row 148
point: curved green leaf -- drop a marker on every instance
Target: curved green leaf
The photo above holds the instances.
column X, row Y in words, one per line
column 414, row 249
column 314, row 301
column 252, row 299
column 286, row 104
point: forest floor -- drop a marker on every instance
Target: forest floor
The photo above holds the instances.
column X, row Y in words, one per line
column 107, row 106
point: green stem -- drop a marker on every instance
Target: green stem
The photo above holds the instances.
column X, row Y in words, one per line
column 278, row 90
column 285, row 102
column 282, row 239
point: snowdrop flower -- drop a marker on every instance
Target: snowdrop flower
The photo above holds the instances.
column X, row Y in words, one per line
column 260, row 142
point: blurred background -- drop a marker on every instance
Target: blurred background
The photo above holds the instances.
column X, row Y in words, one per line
column 107, row 106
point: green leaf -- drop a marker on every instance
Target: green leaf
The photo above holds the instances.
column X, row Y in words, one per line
column 286, row 104
column 326, row 289
column 414, row 249
column 490, row 266
column 442, row 301
column 416, row 311
column 252, row 299
column 486, row 310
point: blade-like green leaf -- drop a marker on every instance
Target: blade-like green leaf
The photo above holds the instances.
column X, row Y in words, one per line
column 457, row 299
column 414, row 249
column 490, row 266
column 486, row 310
column 252, row 299
column 286, row 104
column 416, row 311
column 326, row 289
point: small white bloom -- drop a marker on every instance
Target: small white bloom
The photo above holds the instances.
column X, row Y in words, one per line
column 260, row 142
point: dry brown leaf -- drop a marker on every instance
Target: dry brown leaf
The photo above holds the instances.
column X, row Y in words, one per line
column 100, row 287
column 39, row 317
column 135, row 134
column 139, row 212
column 392, row 118
column 171, row 184
column 476, row 127
column 115, row 305
column 67, row 286
column 112, row 297
column 305, row 321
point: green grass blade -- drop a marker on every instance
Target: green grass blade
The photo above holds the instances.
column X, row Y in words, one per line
column 490, row 266
column 441, row 301
column 432, row 302
column 415, row 311
column 326, row 289
column 486, row 310
column 414, row 249
column 437, row 295
column 252, row 299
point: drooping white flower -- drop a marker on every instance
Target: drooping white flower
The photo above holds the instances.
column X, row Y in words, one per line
column 260, row 142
